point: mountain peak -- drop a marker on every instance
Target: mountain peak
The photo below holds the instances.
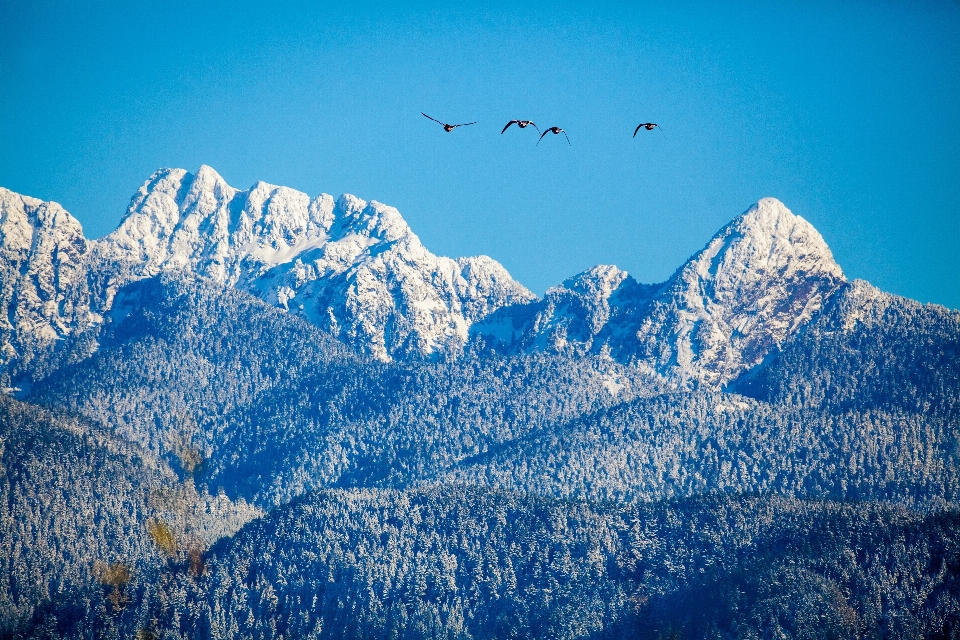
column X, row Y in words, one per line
column 373, row 220
column 765, row 239
column 600, row 280
column 207, row 176
column 755, row 283
column 355, row 268
column 758, row 279
column 350, row 266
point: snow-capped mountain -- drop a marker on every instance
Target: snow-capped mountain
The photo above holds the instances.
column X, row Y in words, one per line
column 201, row 224
column 43, row 287
column 356, row 269
column 755, row 283
column 349, row 266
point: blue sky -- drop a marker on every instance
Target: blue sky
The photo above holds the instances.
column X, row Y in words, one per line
column 848, row 112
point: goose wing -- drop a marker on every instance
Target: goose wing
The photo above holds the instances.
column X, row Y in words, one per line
column 543, row 134
column 508, row 125
column 434, row 119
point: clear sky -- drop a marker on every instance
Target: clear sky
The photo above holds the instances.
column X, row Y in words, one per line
column 849, row 112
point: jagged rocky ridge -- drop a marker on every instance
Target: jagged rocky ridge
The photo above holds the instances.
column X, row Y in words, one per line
column 44, row 292
column 351, row 267
column 196, row 399
column 356, row 270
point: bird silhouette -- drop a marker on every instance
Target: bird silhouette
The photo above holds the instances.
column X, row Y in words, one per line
column 447, row 127
column 522, row 124
column 648, row 126
column 554, row 131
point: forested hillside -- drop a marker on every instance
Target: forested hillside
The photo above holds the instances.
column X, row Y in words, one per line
column 691, row 443
column 868, row 350
column 275, row 406
column 177, row 353
column 292, row 411
column 75, row 504
column 68, row 496
column 464, row 563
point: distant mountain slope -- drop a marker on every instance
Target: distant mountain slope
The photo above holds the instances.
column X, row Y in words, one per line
column 351, row 267
column 574, row 317
column 445, row 456
column 74, row 500
column 755, row 283
column 463, row 563
column 279, row 407
column 68, row 497
column 395, row 425
column 863, row 402
column 868, row 350
column 178, row 353
column 688, row 444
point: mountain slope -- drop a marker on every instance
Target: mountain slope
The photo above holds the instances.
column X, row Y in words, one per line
column 467, row 563
column 755, row 283
column 178, row 353
column 683, row 445
column 278, row 406
column 868, row 350
column 69, row 497
column 862, row 402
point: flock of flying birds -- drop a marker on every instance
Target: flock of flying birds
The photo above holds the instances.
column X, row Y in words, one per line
column 523, row 124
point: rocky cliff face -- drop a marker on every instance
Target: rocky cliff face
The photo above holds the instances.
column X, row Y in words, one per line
column 43, row 286
column 755, row 283
column 574, row 317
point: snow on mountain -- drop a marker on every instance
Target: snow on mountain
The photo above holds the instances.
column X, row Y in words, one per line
column 42, row 276
column 356, row 269
column 571, row 315
column 201, row 224
column 352, row 267
column 755, row 283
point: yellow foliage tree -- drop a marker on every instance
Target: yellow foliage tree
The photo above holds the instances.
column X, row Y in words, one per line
column 163, row 536
column 116, row 575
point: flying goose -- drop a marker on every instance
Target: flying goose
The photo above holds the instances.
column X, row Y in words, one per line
column 648, row 126
column 554, row 131
column 522, row 124
column 448, row 127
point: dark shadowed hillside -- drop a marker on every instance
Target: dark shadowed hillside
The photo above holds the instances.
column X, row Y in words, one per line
column 462, row 563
